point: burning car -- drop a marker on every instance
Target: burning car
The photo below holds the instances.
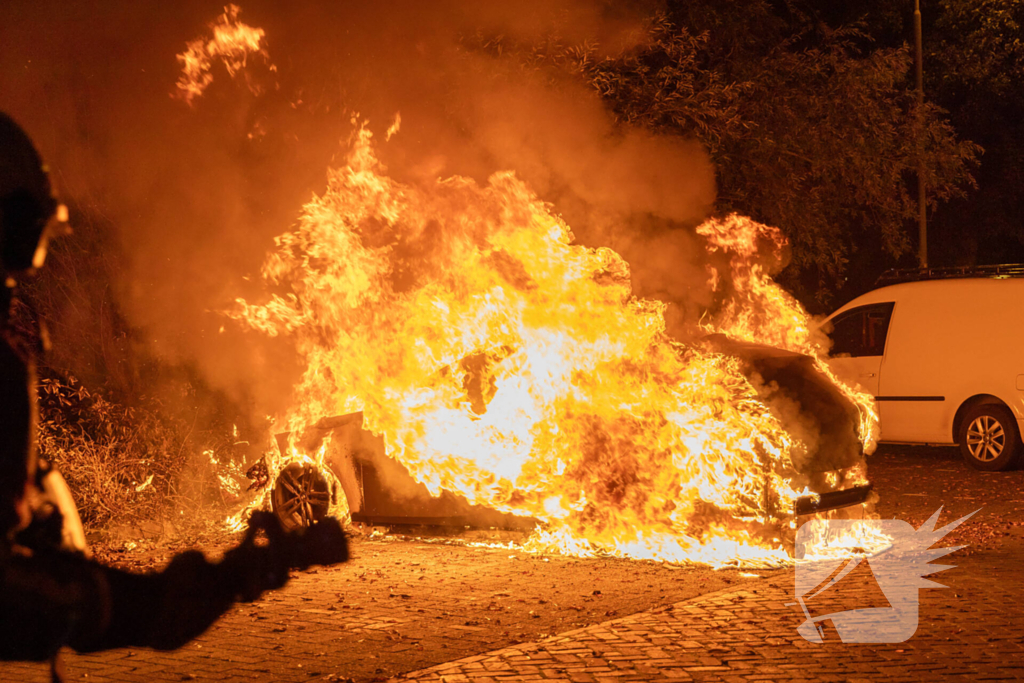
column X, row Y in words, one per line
column 466, row 361
column 356, row 473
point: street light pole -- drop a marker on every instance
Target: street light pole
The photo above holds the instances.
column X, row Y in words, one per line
column 922, row 220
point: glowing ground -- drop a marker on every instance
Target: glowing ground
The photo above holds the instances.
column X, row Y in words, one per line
column 447, row 613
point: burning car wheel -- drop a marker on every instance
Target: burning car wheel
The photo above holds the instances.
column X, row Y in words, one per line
column 302, row 495
column 989, row 439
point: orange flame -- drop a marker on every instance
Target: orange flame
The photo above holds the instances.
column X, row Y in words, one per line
column 503, row 362
column 760, row 311
column 232, row 43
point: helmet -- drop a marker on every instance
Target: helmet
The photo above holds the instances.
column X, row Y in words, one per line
column 27, row 204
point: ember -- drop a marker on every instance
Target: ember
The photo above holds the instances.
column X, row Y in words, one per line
column 503, row 362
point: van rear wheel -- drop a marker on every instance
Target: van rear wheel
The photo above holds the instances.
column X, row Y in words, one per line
column 989, row 438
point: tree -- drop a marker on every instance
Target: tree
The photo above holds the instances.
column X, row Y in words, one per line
column 975, row 64
column 809, row 130
column 812, row 125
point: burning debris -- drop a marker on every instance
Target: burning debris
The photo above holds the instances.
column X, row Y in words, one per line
column 232, row 44
column 502, row 362
column 759, row 311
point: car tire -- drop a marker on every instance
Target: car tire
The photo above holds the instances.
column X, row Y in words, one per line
column 989, row 439
column 301, row 496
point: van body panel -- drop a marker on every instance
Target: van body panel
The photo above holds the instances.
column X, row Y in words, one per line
column 915, row 422
column 862, row 371
column 947, row 341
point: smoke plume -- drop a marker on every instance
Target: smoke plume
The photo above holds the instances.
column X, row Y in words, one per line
column 195, row 194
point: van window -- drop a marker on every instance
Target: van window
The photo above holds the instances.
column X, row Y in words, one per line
column 861, row 331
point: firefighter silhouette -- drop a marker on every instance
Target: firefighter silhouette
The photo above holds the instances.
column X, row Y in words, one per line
column 51, row 593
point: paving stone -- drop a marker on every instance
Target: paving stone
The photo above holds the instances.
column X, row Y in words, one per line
column 707, row 626
column 952, row 641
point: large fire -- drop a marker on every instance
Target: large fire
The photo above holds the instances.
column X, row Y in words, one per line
column 760, row 311
column 501, row 361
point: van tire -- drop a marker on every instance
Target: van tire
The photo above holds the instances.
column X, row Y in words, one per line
column 989, row 439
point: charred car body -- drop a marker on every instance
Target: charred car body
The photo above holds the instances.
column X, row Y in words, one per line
column 380, row 491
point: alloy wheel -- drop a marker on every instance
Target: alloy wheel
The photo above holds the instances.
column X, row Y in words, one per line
column 986, row 438
column 301, row 495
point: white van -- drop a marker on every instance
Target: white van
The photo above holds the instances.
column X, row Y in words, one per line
column 944, row 359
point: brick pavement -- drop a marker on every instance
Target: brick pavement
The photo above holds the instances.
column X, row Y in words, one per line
column 400, row 607
column 396, row 607
column 972, row 630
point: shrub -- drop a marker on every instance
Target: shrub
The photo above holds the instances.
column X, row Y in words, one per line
column 121, row 463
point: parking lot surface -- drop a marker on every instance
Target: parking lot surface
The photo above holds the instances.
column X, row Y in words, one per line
column 433, row 612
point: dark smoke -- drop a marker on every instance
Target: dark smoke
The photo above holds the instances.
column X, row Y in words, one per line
column 196, row 195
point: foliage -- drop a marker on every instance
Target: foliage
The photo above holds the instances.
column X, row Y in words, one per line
column 808, row 131
column 978, row 44
column 973, row 61
column 121, row 463
column 812, row 127
column 974, row 65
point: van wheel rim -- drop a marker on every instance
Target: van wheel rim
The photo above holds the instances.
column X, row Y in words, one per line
column 986, row 438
